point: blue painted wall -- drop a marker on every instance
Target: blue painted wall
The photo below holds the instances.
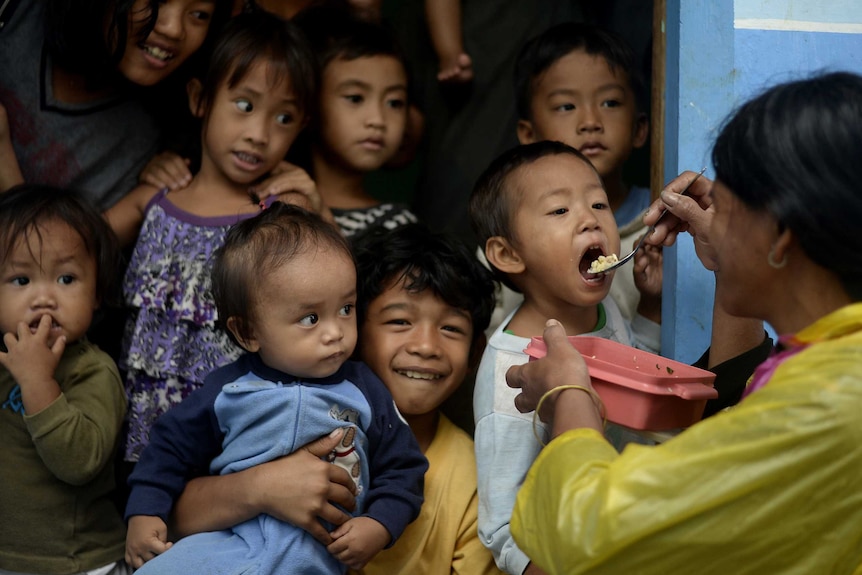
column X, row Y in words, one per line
column 718, row 55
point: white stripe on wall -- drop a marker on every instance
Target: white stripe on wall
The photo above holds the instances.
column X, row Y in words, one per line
column 796, row 25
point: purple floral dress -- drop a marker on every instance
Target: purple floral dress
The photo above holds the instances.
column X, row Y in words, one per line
column 171, row 341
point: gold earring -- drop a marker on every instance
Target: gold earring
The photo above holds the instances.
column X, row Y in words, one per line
column 770, row 259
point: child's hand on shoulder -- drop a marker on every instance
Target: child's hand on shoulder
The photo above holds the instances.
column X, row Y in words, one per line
column 357, row 541
column 146, row 537
column 29, row 358
column 294, row 186
column 167, row 170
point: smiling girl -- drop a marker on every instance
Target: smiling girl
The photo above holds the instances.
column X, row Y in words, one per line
column 76, row 86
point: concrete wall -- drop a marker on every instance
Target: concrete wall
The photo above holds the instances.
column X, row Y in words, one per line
column 719, row 53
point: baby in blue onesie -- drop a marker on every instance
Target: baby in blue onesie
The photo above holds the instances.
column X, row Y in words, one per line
column 285, row 287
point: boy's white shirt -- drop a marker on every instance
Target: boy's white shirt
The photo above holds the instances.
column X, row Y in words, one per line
column 504, row 439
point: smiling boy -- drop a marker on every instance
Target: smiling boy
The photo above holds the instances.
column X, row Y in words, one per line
column 543, row 216
column 424, row 302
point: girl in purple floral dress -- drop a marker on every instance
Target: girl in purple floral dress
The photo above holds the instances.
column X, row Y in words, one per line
column 252, row 102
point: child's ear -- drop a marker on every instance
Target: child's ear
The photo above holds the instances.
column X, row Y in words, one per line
column 526, row 134
column 234, row 326
column 641, row 131
column 194, row 88
column 503, row 256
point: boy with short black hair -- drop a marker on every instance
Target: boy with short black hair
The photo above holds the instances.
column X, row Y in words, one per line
column 579, row 84
column 424, row 302
column 543, row 216
column 362, row 113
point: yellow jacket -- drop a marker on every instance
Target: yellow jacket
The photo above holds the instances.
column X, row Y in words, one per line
column 771, row 487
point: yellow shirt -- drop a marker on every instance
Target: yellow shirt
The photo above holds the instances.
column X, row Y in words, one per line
column 773, row 486
column 444, row 539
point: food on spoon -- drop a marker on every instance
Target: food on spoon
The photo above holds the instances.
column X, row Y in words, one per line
column 603, row 263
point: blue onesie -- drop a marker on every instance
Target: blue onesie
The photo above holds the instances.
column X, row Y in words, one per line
column 247, row 414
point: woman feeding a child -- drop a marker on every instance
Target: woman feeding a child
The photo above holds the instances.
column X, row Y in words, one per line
column 772, row 485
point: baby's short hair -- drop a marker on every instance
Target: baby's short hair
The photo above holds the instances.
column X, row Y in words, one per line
column 256, row 247
column 425, row 260
column 543, row 51
column 492, row 203
column 25, row 208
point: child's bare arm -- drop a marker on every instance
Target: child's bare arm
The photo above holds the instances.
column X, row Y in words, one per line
column 648, row 280
column 357, row 541
column 444, row 27
column 167, row 170
column 146, row 537
column 10, row 170
column 126, row 216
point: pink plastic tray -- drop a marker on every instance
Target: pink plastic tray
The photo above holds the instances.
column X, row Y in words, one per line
column 640, row 390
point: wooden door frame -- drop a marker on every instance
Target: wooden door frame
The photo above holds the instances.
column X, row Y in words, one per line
column 657, row 103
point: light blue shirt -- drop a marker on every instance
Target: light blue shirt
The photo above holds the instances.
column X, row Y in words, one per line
column 504, row 439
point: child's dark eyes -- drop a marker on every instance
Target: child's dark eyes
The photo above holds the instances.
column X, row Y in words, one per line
column 65, row 279
column 244, row 105
column 354, row 98
column 201, row 15
column 346, row 310
column 558, row 212
column 564, row 108
column 284, row 119
column 396, row 104
column 454, row 329
column 397, row 321
column 612, row 103
column 600, row 206
column 20, row 281
column 309, row 320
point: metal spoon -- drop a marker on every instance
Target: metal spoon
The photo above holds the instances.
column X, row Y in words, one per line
column 649, row 231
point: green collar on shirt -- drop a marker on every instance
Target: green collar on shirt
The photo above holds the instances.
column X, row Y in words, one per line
column 600, row 322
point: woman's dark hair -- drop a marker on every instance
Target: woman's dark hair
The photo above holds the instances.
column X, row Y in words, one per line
column 543, row 51
column 794, row 152
column 424, row 260
column 26, row 208
column 492, row 203
column 255, row 247
column 258, row 34
column 89, row 36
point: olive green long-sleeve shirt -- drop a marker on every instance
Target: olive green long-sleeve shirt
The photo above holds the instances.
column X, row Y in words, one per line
column 56, row 469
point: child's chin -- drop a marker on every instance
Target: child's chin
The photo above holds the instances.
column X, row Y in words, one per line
column 592, row 297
